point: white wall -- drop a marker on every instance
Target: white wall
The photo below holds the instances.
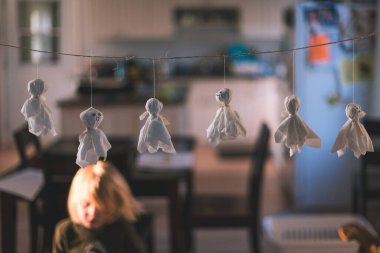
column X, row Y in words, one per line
column 60, row 77
column 2, row 72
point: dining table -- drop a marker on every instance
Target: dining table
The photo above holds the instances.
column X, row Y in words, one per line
column 154, row 175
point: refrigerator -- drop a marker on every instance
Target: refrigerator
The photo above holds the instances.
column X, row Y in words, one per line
column 326, row 79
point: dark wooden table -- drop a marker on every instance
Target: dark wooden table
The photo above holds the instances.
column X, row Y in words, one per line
column 60, row 168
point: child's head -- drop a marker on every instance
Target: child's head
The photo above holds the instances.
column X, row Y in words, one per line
column 99, row 195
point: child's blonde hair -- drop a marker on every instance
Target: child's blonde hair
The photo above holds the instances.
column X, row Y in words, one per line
column 103, row 184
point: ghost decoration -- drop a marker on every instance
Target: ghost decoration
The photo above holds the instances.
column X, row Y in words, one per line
column 293, row 130
column 353, row 135
column 226, row 124
column 154, row 134
column 93, row 143
column 35, row 110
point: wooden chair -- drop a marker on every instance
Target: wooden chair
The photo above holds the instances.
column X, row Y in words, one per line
column 215, row 211
column 30, row 152
column 28, row 147
column 370, row 168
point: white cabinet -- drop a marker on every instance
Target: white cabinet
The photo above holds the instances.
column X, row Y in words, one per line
column 123, row 120
column 263, row 19
column 133, row 19
column 255, row 100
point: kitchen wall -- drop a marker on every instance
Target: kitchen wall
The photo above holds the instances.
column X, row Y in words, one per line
column 60, row 77
column 83, row 26
column 2, row 73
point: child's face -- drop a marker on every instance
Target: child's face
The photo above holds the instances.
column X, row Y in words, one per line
column 90, row 215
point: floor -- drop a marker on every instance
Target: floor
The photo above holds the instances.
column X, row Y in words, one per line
column 212, row 174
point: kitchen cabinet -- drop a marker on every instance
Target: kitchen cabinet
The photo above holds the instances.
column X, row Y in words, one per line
column 263, row 19
column 255, row 100
column 144, row 19
column 133, row 19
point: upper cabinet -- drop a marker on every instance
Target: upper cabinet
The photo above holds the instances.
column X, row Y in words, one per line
column 147, row 19
column 132, row 19
column 263, row 19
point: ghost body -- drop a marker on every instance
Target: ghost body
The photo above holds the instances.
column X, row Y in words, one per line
column 93, row 143
column 226, row 124
column 293, row 130
column 35, row 110
column 353, row 135
column 154, row 134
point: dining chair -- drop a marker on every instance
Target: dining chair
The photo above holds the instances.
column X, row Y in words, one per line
column 220, row 211
column 365, row 189
column 28, row 146
column 30, row 152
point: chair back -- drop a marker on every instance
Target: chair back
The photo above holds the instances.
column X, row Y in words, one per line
column 183, row 142
column 259, row 156
column 370, row 164
column 27, row 144
column 372, row 125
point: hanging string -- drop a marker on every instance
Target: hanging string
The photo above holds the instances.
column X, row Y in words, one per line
column 37, row 69
column 154, row 80
column 294, row 73
column 91, row 80
column 353, row 71
column 224, row 70
column 360, row 37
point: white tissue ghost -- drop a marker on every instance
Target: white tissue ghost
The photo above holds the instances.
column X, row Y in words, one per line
column 226, row 124
column 293, row 130
column 35, row 110
column 93, row 143
column 154, row 135
column 353, row 135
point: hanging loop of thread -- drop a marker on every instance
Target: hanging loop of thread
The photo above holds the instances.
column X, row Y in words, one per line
column 224, row 70
column 91, row 80
column 294, row 73
column 37, row 69
column 154, row 79
column 353, row 71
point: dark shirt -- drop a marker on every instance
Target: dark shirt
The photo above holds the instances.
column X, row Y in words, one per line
column 117, row 237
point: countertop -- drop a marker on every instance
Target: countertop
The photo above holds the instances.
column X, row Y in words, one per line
column 171, row 91
column 114, row 99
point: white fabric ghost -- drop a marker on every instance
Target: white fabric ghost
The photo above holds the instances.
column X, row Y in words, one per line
column 93, row 143
column 226, row 124
column 35, row 110
column 353, row 135
column 293, row 130
column 154, row 135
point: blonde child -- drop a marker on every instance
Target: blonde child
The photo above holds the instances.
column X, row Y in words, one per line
column 101, row 208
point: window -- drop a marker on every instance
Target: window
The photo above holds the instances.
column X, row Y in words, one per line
column 38, row 29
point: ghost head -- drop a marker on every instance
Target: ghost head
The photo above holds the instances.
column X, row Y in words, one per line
column 153, row 106
column 292, row 104
column 91, row 117
column 354, row 111
column 36, row 87
column 223, row 96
